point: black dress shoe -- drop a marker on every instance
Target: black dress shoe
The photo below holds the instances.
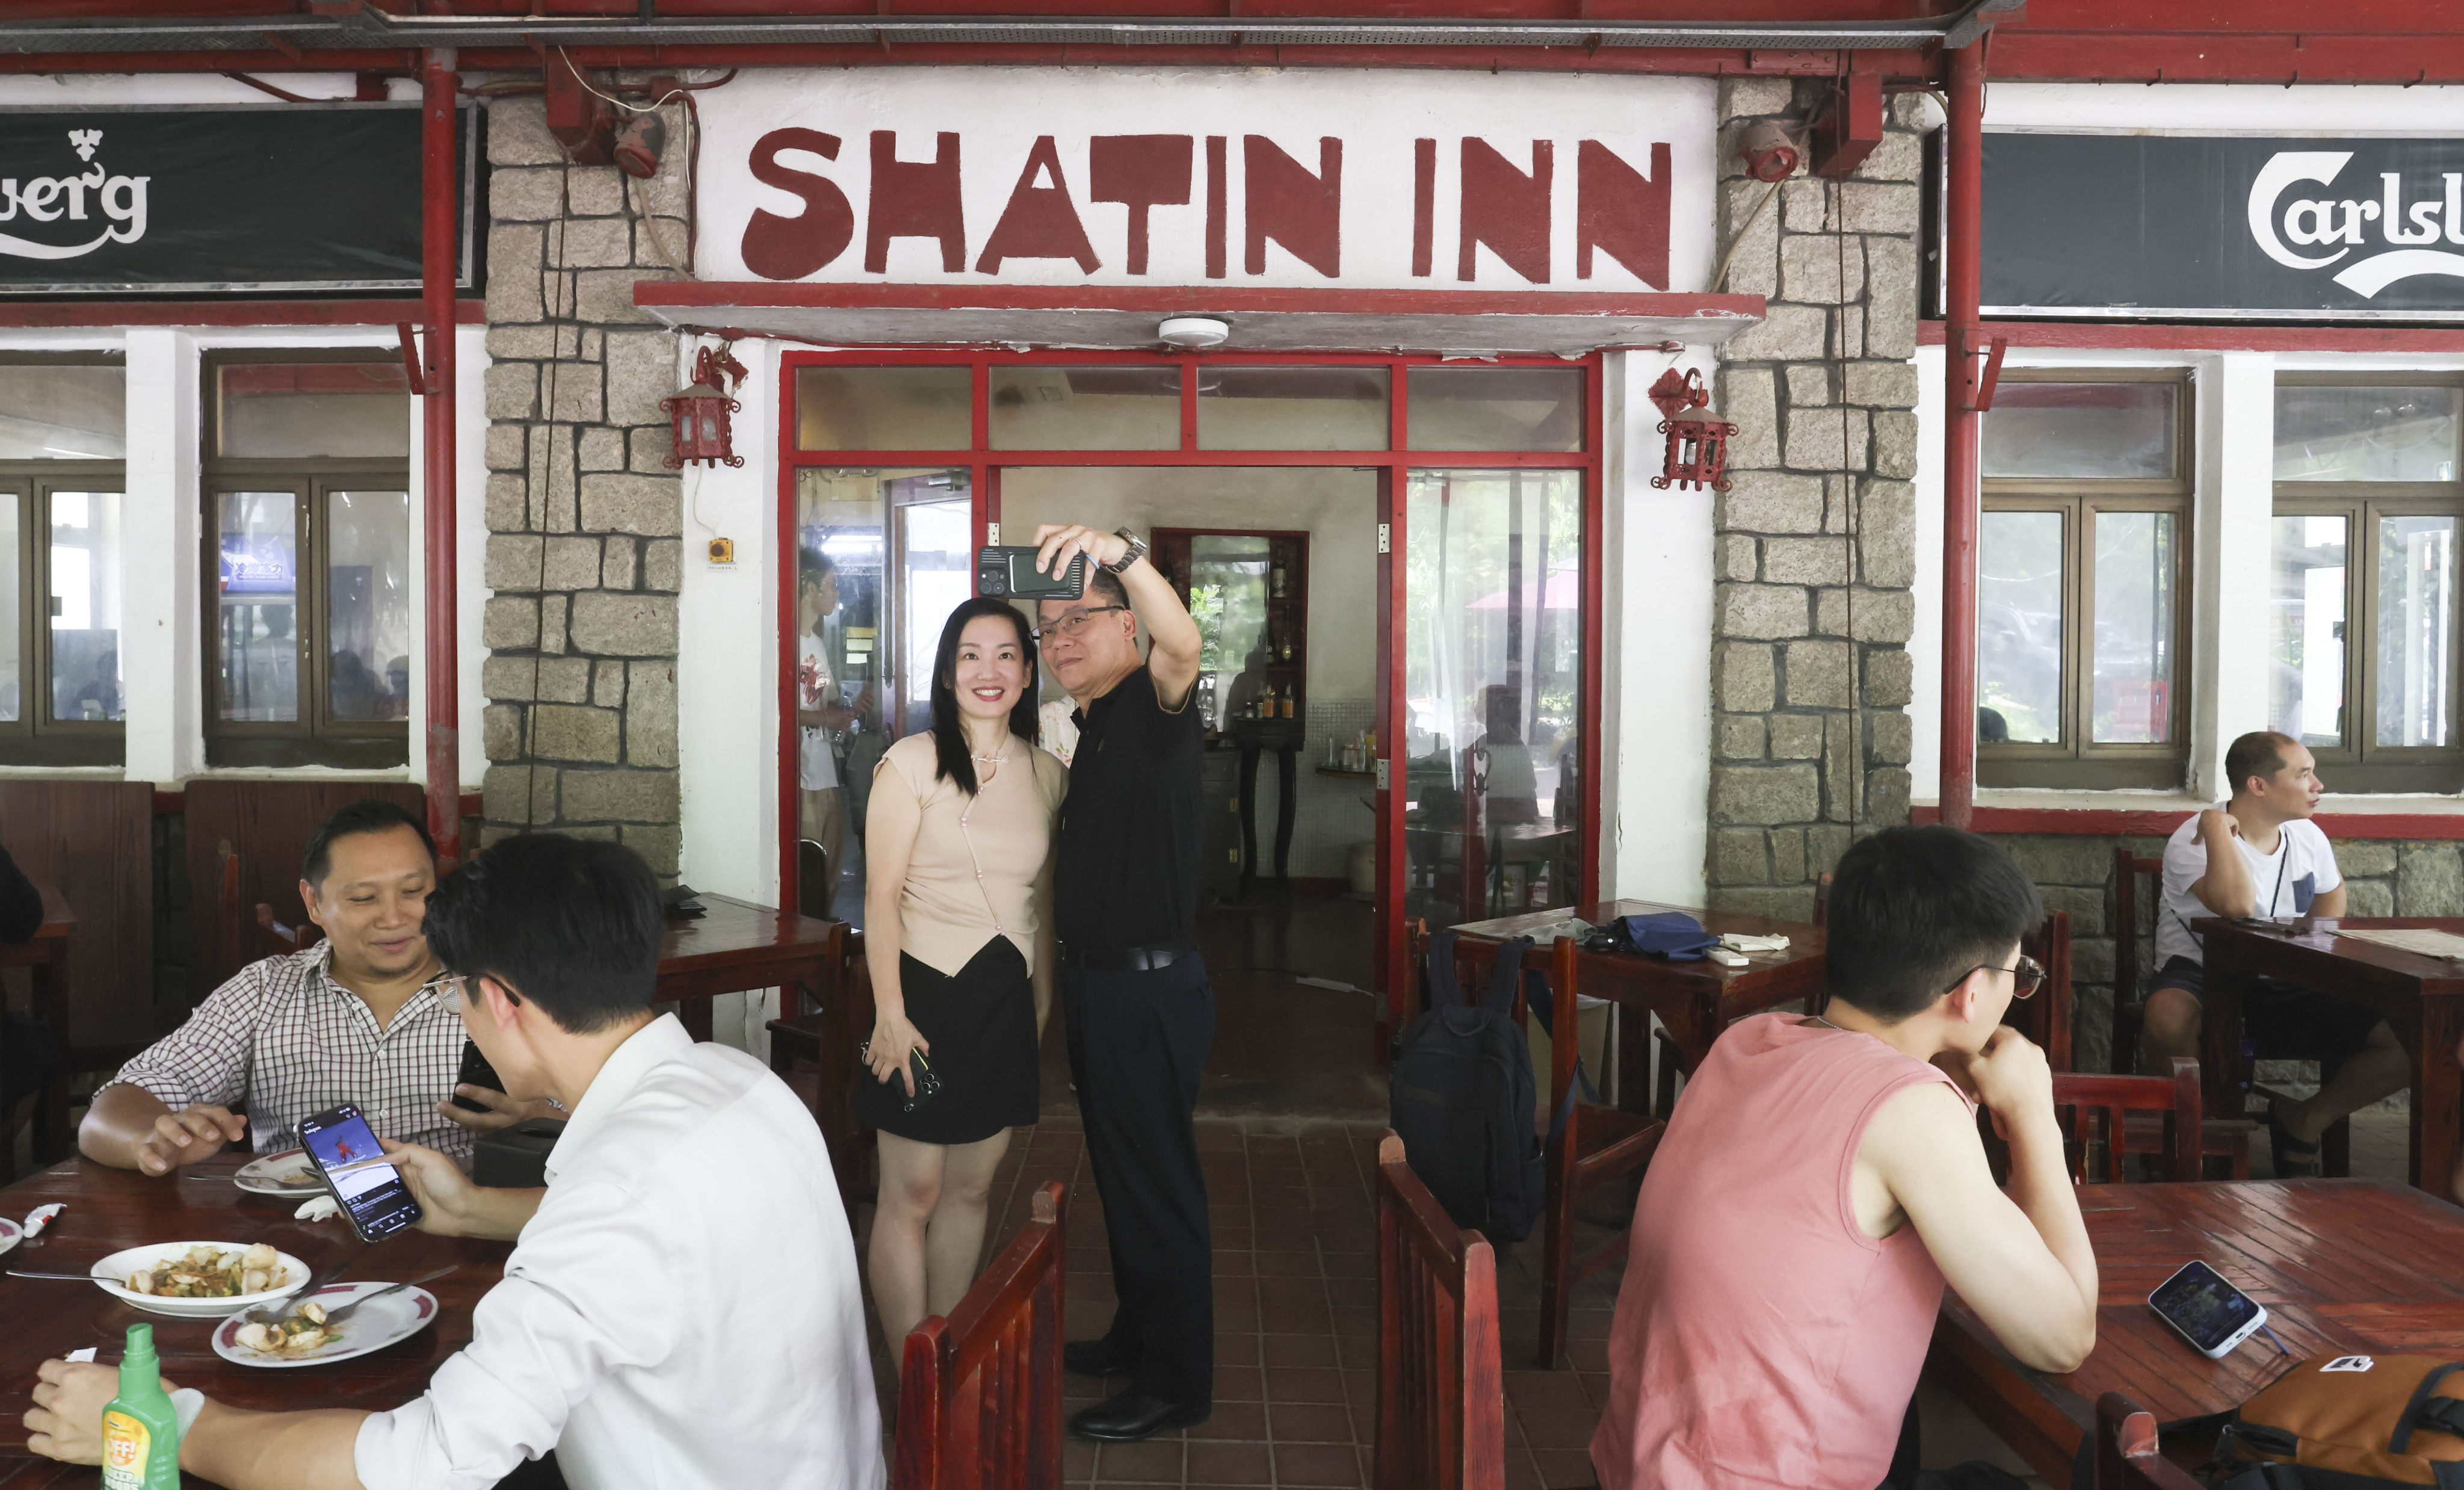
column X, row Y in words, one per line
column 1098, row 1357
column 1133, row 1415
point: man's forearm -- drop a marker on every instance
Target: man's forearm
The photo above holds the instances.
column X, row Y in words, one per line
column 500, row 1214
column 119, row 1119
column 2040, row 1186
column 1159, row 607
column 277, row 1451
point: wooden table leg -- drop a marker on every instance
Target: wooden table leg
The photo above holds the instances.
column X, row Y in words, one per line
column 1634, row 1057
column 2437, row 1095
column 694, row 1014
column 2222, row 1070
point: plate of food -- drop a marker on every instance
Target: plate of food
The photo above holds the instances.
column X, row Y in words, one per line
column 285, row 1173
column 10, row 1235
column 308, row 1335
column 199, row 1280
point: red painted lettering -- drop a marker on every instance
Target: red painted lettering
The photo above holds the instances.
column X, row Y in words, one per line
column 1215, row 207
column 1138, row 171
column 1506, row 210
column 914, row 199
column 1284, row 202
column 1040, row 222
column 1424, row 206
column 790, row 248
column 1622, row 213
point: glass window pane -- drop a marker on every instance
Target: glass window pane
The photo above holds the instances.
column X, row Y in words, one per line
column 2019, row 629
column 11, row 640
column 1496, row 408
column 85, row 605
column 1227, row 598
column 2136, row 562
column 937, row 570
column 2355, row 433
column 1292, row 408
column 1493, row 690
column 1086, row 408
column 63, row 411
column 2306, row 672
column 2081, row 430
column 257, row 615
column 882, row 408
column 277, row 409
column 367, row 606
column 2416, row 630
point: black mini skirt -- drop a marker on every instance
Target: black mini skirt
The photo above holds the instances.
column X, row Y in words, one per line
column 981, row 1025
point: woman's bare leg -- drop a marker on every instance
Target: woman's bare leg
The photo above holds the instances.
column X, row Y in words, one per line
column 910, row 1191
column 955, row 1241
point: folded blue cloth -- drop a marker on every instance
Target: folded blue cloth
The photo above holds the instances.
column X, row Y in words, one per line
column 1670, row 933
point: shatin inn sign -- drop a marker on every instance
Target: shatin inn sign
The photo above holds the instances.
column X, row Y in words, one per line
column 199, row 199
column 2224, row 227
column 1039, row 176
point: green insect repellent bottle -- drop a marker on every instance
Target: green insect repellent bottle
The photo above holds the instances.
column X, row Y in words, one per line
column 141, row 1428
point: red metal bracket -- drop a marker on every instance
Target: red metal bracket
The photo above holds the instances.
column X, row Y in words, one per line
column 1850, row 128
column 1992, row 373
column 411, row 358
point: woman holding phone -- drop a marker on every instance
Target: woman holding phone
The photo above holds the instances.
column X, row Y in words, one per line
column 958, row 938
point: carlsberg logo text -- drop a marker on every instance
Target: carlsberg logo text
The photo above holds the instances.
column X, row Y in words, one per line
column 115, row 205
column 2284, row 222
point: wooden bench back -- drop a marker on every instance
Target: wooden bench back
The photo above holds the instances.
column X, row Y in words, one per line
column 1441, row 1390
column 2126, row 1455
column 980, row 1392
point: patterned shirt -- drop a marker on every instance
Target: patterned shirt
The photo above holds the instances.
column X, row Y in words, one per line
column 290, row 1041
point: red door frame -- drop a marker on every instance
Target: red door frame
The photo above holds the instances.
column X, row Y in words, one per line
column 1393, row 465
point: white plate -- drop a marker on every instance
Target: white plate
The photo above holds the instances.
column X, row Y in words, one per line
column 396, row 1317
column 10, row 1235
column 264, row 1176
column 109, row 1271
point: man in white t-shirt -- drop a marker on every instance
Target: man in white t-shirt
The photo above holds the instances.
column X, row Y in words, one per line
column 2284, row 867
column 820, row 711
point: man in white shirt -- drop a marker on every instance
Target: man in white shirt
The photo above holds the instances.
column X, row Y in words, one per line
column 820, row 711
column 681, row 1309
column 2284, row 867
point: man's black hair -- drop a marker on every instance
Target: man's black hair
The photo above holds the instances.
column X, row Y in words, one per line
column 367, row 814
column 570, row 924
column 1104, row 586
column 2258, row 753
column 1913, row 910
column 812, row 567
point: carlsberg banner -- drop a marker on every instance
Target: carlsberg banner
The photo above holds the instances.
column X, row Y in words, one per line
column 2225, row 227
column 201, row 200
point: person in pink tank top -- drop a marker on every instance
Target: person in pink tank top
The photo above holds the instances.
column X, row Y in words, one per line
column 1822, row 1178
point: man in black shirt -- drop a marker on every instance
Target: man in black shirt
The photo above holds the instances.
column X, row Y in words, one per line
column 1139, row 1008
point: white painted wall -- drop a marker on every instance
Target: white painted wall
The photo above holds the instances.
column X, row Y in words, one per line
column 1656, row 763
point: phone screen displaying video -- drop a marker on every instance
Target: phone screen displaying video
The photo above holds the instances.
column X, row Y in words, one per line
column 2203, row 1306
column 375, row 1199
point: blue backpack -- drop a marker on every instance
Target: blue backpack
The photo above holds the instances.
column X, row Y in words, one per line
column 1460, row 1097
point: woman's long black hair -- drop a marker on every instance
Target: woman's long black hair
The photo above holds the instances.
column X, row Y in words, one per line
column 950, row 752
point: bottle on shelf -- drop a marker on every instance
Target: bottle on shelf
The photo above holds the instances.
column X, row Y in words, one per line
column 1288, row 649
column 1291, row 703
column 1275, row 580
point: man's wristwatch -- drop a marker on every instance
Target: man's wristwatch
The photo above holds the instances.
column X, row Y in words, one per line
column 1136, row 550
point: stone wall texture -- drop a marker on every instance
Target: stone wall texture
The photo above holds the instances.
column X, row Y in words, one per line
column 584, row 520
column 2076, row 873
column 1815, row 541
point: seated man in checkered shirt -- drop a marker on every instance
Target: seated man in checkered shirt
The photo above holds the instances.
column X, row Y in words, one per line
column 354, row 1019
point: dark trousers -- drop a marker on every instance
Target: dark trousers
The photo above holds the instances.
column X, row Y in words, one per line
column 1137, row 1047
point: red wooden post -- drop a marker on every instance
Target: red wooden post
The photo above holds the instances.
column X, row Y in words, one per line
column 1961, row 491
column 439, row 261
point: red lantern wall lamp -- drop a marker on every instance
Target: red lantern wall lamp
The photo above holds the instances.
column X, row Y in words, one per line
column 1696, row 455
column 698, row 416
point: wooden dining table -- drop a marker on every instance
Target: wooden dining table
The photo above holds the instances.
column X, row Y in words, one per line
column 2422, row 997
column 112, row 1209
column 2343, row 1266
column 736, row 946
column 1695, row 1000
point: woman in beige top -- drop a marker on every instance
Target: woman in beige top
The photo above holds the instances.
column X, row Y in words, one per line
column 957, row 851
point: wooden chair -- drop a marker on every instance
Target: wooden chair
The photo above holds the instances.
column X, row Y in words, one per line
column 1441, row 1386
column 2127, row 1455
column 2096, row 1113
column 828, row 1040
column 1599, row 1146
column 980, row 1392
column 274, row 939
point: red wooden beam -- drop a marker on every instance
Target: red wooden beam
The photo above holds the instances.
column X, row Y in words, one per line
column 2160, row 821
column 38, row 313
column 2168, row 337
column 439, row 261
column 1961, row 489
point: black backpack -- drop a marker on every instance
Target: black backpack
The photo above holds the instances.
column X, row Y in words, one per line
column 1460, row 1097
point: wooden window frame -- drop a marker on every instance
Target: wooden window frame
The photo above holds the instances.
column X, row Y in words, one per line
column 2356, row 765
column 2076, row 762
column 314, row 737
column 35, row 739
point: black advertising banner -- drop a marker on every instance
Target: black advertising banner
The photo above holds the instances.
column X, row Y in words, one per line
column 201, row 200
column 2273, row 228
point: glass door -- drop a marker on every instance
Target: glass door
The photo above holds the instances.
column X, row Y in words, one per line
column 1493, row 694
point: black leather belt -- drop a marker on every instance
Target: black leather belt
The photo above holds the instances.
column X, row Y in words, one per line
column 1126, row 959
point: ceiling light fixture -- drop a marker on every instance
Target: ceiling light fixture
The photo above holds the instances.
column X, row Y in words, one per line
column 1194, row 332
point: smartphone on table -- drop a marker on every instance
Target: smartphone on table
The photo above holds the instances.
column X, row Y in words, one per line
column 376, row 1199
column 2203, row 1309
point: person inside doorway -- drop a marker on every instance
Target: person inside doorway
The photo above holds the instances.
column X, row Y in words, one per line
column 958, row 936
column 354, row 1019
column 2283, row 866
column 1822, row 1180
column 821, row 715
column 1512, row 798
column 1141, row 1010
